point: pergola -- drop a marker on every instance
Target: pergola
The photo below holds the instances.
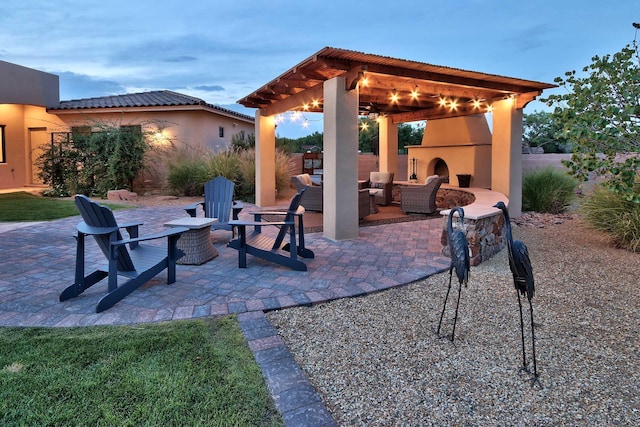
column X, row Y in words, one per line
column 344, row 85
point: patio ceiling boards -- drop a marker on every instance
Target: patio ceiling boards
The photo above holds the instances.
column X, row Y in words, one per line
column 404, row 90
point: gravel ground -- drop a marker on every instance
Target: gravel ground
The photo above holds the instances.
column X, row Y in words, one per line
column 377, row 360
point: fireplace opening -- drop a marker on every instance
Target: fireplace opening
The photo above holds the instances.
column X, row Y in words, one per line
column 440, row 168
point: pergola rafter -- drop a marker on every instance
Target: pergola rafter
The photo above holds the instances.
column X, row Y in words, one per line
column 378, row 77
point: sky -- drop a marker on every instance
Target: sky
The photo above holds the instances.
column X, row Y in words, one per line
column 223, row 50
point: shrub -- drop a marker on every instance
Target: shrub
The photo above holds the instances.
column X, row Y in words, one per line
column 611, row 212
column 187, row 177
column 246, row 182
column 547, row 190
column 225, row 164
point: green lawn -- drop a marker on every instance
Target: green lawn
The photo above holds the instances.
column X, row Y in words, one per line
column 23, row 206
column 180, row 373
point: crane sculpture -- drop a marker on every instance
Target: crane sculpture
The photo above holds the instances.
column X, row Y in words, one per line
column 522, row 271
column 459, row 252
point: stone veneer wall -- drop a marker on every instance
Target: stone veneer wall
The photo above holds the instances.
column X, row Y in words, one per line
column 486, row 235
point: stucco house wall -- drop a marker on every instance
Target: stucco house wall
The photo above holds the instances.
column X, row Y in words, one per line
column 30, row 110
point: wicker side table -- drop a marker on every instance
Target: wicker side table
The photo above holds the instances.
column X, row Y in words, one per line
column 195, row 243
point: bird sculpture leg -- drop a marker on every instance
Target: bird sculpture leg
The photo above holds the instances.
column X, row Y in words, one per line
column 455, row 318
column 533, row 342
column 524, row 357
column 445, row 300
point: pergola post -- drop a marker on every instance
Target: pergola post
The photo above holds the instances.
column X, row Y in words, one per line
column 388, row 146
column 265, row 160
column 340, row 178
column 506, row 153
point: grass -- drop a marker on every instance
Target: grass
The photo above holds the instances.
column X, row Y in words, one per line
column 192, row 372
column 23, row 206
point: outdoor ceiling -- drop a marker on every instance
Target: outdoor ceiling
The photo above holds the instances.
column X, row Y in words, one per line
column 404, row 90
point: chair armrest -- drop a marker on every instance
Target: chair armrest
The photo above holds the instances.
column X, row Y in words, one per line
column 130, row 224
column 192, row 208
column 236, row 207
column 167, row 233
column 242, row 223
column 87, row 229
column 299, row 211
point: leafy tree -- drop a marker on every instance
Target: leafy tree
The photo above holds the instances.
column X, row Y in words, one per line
column 600, row 115
column 368, row 135
column 540, row 129
column 409, row 134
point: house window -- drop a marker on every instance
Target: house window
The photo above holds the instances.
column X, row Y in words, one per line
column 3, row 158
column 221, row 132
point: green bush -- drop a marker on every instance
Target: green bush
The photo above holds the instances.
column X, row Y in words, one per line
column 225, row 164
column 547, row 190
column 612, row 213
column 188, row 172
column 187, row 176
column 246, row 183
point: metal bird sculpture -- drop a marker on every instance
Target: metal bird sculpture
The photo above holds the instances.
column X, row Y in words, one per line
column 459, row 252
column 522, row 271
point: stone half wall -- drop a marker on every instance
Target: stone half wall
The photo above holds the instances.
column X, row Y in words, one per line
column 486, row 237
column 485, row 233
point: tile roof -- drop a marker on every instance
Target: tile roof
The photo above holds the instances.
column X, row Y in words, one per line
column 159, row 98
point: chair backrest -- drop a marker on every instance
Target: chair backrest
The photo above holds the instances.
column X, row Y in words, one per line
column 289, row 217
column 96, row 215
column 381, row 177
column 218, row 198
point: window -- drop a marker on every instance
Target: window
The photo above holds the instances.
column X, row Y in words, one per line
column 221, row 132
column 3, row 158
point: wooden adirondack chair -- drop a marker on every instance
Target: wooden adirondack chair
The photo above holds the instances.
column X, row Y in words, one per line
column 218, row 203
column 139, row 263
column 262, row 246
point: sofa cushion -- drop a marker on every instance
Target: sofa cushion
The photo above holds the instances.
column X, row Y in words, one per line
column 305, row 179
column 430, row 179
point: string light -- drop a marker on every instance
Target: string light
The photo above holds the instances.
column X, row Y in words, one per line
column 394, row 97
column 415, row 94
column 442, row 101
column 476, row 103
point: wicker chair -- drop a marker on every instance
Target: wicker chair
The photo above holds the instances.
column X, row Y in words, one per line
column 420, row 198
column 380, row 184
column 312, row 198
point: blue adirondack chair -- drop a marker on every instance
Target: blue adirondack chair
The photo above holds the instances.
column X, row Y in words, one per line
column 218, row 203
column 139, row 263
column 262, row 246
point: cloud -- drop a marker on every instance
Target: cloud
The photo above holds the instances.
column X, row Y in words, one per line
column 76, row 86
column 212, row 88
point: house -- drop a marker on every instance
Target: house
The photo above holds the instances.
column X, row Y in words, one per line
column 31, row 114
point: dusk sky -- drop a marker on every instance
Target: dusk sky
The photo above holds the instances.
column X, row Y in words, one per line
column 223, row 50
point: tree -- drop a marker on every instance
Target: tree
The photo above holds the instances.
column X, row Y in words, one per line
column 600, row 115
column 540, row 129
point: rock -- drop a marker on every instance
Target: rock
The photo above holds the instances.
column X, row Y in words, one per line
column 121, row 195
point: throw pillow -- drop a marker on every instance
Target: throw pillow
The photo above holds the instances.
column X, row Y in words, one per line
column 377, row 185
